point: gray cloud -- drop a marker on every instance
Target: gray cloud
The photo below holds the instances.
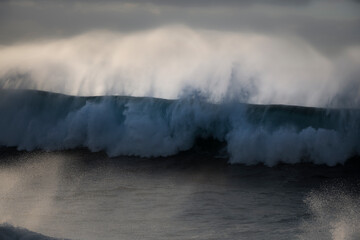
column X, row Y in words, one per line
column 187, row 3
column 328, row 25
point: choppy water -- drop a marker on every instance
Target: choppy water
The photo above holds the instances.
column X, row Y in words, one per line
column 82, row 195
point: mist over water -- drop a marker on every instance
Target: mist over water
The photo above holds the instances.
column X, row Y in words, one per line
column 334, row 213
column 171, row 61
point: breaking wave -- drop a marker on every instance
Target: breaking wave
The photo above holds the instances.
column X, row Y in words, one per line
column 151, row 127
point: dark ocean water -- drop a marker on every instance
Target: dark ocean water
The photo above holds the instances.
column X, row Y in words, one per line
column 193, row 195
column 118, row 167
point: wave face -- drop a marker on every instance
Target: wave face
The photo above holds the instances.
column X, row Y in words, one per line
column 9, row 232
column 150, row 127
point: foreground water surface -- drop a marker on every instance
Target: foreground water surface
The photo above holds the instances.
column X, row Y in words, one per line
column 83, row 195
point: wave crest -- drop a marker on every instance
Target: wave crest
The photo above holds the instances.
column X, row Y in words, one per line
column 150, row 127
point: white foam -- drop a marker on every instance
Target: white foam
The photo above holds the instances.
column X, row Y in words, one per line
column 148, row 128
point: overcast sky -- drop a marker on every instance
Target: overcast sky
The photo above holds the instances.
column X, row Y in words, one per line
column 327, row 24
column 288, row 51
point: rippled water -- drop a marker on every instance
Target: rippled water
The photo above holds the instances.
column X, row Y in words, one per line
column 82, row 195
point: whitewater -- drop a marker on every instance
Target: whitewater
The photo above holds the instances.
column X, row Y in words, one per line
column 151, row 127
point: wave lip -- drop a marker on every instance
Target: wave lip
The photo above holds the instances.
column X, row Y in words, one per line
column 150, row 127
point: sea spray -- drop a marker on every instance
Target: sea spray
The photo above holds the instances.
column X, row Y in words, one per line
column 150, row 127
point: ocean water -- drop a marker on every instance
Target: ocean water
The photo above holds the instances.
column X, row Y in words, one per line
column 151, row 127
column 83, row 195
column 111, row 167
